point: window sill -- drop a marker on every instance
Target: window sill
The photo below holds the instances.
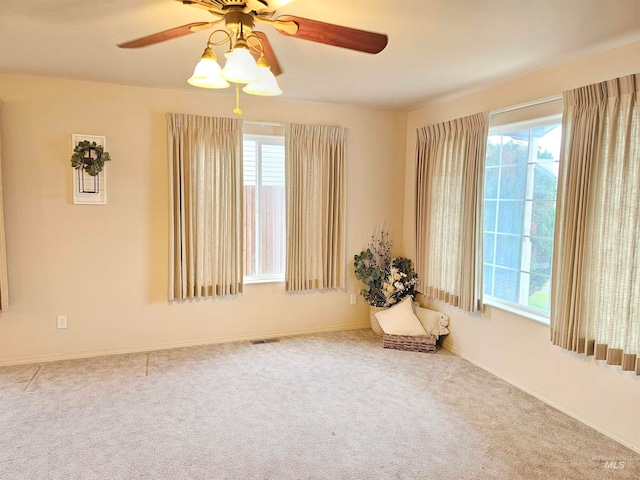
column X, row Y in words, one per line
column 258, row 280
column 540, row 318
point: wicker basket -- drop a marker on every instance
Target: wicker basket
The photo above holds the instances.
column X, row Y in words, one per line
column 375, row 326
column 423, row 343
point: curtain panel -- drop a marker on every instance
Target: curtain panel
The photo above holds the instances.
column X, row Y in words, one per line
column 450, row 159
column 595, row 298
column 4, row 279
column 206, row 206
column 315, row 183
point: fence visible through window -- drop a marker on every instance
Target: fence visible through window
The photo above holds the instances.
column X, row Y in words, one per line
column 264, row 208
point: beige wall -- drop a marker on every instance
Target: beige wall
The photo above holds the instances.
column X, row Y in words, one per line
column 513, row 347
column 106, row 266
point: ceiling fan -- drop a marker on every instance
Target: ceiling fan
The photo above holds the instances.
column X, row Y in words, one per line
column 240, row 17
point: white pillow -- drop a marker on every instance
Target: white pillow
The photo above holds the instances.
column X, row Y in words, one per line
column 433, row 322
column 400, row 320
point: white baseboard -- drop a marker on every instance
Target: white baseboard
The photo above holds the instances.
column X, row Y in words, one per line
column 165, row 346
column 546, row 399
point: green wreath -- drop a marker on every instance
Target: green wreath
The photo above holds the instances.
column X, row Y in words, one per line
column 90, row 157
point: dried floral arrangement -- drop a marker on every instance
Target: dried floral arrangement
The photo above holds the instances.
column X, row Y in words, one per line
column 387, row 280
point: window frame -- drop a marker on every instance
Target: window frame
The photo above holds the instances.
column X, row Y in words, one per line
column 495, row 302
column 260, row 140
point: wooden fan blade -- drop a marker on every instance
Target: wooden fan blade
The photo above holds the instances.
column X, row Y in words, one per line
column 330, row 34
column 167, row 35
column 268, row 54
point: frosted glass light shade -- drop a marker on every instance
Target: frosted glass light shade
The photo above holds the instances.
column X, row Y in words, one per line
column 240, row 67
column 207, row 72
column 267, row 86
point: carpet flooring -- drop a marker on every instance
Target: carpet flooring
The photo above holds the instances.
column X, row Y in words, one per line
column 324, row 406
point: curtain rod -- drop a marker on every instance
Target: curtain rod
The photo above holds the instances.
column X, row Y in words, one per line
column 264, row 124
column 533, row 103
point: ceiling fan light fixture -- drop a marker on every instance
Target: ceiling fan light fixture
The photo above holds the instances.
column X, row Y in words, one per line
column 240, row 66
column 267, row 86
column 240, row 18
column 207, row 72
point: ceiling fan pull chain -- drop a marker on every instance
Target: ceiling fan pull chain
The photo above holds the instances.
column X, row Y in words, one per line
column 237, row 110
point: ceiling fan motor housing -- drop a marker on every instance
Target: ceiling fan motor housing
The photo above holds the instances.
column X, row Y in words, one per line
column 235, row 19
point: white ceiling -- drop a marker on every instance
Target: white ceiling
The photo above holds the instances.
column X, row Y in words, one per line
column 437, row 48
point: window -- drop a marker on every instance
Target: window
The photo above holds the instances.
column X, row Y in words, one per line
column 264, row 209
column 521, row 179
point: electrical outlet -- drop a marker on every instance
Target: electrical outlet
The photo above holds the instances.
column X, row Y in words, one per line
column 62, row 321
column 354, row 299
